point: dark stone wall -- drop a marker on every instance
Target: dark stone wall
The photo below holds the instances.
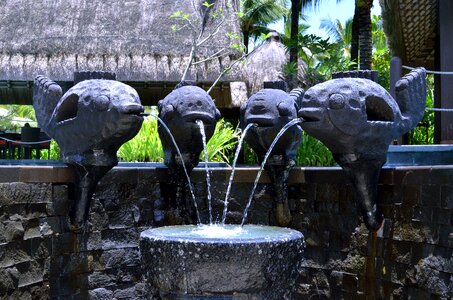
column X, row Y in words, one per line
column 41, row 258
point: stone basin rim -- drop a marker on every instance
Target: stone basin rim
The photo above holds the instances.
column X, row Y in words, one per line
column 280, row 234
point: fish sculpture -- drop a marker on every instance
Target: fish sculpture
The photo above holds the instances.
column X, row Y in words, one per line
column 179, row 110
column 89, row 122
column 357, row 119
column 271, row 109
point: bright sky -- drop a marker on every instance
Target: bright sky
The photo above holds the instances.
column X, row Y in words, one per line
column 330, row 9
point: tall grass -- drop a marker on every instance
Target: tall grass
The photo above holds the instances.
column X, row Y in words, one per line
column 313, row 153
column 145, row 146
column 222, row 143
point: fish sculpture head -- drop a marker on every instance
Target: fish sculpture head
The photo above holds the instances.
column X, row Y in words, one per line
column 350, row 113
column 271, row 110
column 180, row 110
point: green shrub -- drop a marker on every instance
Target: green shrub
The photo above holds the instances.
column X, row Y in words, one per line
column 423, row 134
column 222, row 144
column 313, row 153
column 145, row 146
column 54, row 151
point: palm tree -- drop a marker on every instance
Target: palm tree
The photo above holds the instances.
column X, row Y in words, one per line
column 363, row 11
column 339, row 34
column 255, row 15
column 296, row 9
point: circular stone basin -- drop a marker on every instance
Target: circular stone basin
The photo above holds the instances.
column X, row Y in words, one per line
column 230, row 261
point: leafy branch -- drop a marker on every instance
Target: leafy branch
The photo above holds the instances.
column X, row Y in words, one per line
column 197, row 25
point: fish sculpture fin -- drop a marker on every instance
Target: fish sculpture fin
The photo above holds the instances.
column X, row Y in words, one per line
column 410, row 94
column 297, row 94
column 46, row 94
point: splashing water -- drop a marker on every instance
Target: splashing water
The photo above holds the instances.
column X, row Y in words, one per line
column 217, row 231
column 233, row 167
column 268, row 153
column 206, row 160
column 183, row 165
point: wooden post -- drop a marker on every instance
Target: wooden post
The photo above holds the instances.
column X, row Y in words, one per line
column 444, row 83
column 395, row 75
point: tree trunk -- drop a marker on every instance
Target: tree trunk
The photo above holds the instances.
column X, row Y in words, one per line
column 296, row 7
column 246, row 41
column 365, row 38
column 355, row 40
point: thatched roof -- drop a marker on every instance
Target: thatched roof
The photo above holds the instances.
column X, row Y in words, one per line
column 266, row 63
column 130, row 37
column 411, row 27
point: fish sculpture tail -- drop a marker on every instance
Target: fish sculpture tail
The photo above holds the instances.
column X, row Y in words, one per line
column 86, row 179
column 410, row 94
column 364, row 174
column 46, row 94
column 297, row 94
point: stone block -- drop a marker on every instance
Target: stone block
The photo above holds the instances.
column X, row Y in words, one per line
column 118, row 258
column 12, row 230
column 24, row 193
column 430, row 195
column 61, row 204
column 350, row 281
column 125, row 293
column 122, row 218
column 422, row 214
column 100, row 294
column 442, row 216
column 411, row 195
column 446, row 192
column 31, row 272
column 386, row 194
column 99, row 280
column 9, row 280
column 120, row 238
column 13, row 253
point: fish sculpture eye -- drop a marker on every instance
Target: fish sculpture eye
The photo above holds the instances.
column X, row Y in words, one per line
column 336, row 101
column 102, row 103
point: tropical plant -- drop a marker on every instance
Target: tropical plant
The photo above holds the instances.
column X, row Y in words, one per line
column 339, row 34
column 423, row 134
column 313, row 153
column 145, row 146
column 222, row 143
column 296, row 9
column 54, row 151
column 16, row 116
column 256, row 15
column 363, row 12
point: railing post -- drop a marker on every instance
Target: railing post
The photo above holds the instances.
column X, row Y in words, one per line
column 395, row 74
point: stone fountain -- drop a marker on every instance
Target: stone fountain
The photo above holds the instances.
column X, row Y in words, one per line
column 211, row 261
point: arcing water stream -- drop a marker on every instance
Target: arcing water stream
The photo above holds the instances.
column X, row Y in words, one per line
column 268, row 153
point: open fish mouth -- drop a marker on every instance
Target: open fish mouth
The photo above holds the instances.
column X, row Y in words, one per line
column 310, row 115
column 205, row 117
column 132, row 109
column 261, row 121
